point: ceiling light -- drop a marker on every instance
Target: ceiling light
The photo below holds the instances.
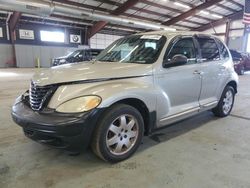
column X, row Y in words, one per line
column 181, row 5
column 217, row 16
column 204, row 12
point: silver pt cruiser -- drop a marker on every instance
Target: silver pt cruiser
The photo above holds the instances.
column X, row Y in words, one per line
column 138, row 84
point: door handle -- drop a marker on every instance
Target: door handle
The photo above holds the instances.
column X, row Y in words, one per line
column 198, row 72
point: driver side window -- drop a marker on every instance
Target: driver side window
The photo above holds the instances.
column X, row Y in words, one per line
column 186, row 47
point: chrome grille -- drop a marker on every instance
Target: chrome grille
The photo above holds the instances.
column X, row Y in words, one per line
column 38, row 95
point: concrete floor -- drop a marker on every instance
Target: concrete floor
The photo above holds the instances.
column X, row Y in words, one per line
column 201, row 152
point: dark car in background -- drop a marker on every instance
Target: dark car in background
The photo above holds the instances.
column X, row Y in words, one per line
column 241, row 61
column 77, row 56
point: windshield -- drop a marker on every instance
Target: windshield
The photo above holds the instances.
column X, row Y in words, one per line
column 84, row 55
column 74, row 53
column 143, row 49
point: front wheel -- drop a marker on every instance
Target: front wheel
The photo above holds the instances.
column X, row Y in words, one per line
column 119, row 133
column 226, row 102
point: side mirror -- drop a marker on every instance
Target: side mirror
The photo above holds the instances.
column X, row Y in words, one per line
column 177, row 60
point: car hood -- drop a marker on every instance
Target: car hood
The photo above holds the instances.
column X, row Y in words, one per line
column 90, row 71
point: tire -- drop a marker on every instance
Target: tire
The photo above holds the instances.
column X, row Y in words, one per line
column 226, row 102
column 118, row 134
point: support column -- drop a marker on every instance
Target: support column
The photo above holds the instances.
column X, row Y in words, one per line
column 228, row 25
column 12, row 22
column 245, row 38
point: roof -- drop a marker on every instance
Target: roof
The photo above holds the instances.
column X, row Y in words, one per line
column 175, row 33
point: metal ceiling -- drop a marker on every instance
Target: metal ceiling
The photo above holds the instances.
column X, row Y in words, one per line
column 181, row 14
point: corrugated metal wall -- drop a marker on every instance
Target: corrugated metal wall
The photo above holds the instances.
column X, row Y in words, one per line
column 6, row 55
column 26, row 55
column 101, row 41
column 235, row 36
column 235, row 43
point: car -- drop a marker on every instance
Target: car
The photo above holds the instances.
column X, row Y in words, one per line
column 241, row 61
column 137, row 85
column 246, row 58
column 76, row 56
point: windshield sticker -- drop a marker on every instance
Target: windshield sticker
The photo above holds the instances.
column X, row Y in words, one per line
column 153, row 37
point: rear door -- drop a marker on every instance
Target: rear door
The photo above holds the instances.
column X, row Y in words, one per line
column 213, row 69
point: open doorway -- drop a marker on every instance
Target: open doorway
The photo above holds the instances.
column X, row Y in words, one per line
column 248, row 43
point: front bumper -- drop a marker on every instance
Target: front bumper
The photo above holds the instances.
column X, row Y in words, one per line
column 72, row 132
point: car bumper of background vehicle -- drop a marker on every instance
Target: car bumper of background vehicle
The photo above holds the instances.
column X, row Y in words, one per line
column 71, row 132
column 237, row 68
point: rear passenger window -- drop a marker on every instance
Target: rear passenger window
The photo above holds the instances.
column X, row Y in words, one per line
column 209, row 49
column 223, row 50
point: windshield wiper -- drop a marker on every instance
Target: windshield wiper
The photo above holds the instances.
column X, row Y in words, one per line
column 107, row 60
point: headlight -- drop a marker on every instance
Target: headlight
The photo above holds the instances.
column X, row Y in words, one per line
column 80, row 104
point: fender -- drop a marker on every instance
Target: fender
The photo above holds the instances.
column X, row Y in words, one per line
column 234, row 77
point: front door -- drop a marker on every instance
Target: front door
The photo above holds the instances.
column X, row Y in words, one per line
column 181, row 85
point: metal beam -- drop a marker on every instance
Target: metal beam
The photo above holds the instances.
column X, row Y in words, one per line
column 98, row 26
column 101, row 24
column 245, row 39
column 192, row 12
column 14, row 20
column 235, row 16
column 228, row 24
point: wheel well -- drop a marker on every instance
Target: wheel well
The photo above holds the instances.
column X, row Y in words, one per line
column 234, row 85
column 142, row 108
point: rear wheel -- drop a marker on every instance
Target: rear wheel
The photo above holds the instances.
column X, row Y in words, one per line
column 226, row 102
column 118, row 134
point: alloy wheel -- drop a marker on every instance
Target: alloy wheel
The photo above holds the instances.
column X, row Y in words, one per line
column 227, row 102
column 122, row 134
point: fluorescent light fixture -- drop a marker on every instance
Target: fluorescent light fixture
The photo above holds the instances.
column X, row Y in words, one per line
column 217, row 16
column 181, row 5
column 204, row 12
column 52, row 36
